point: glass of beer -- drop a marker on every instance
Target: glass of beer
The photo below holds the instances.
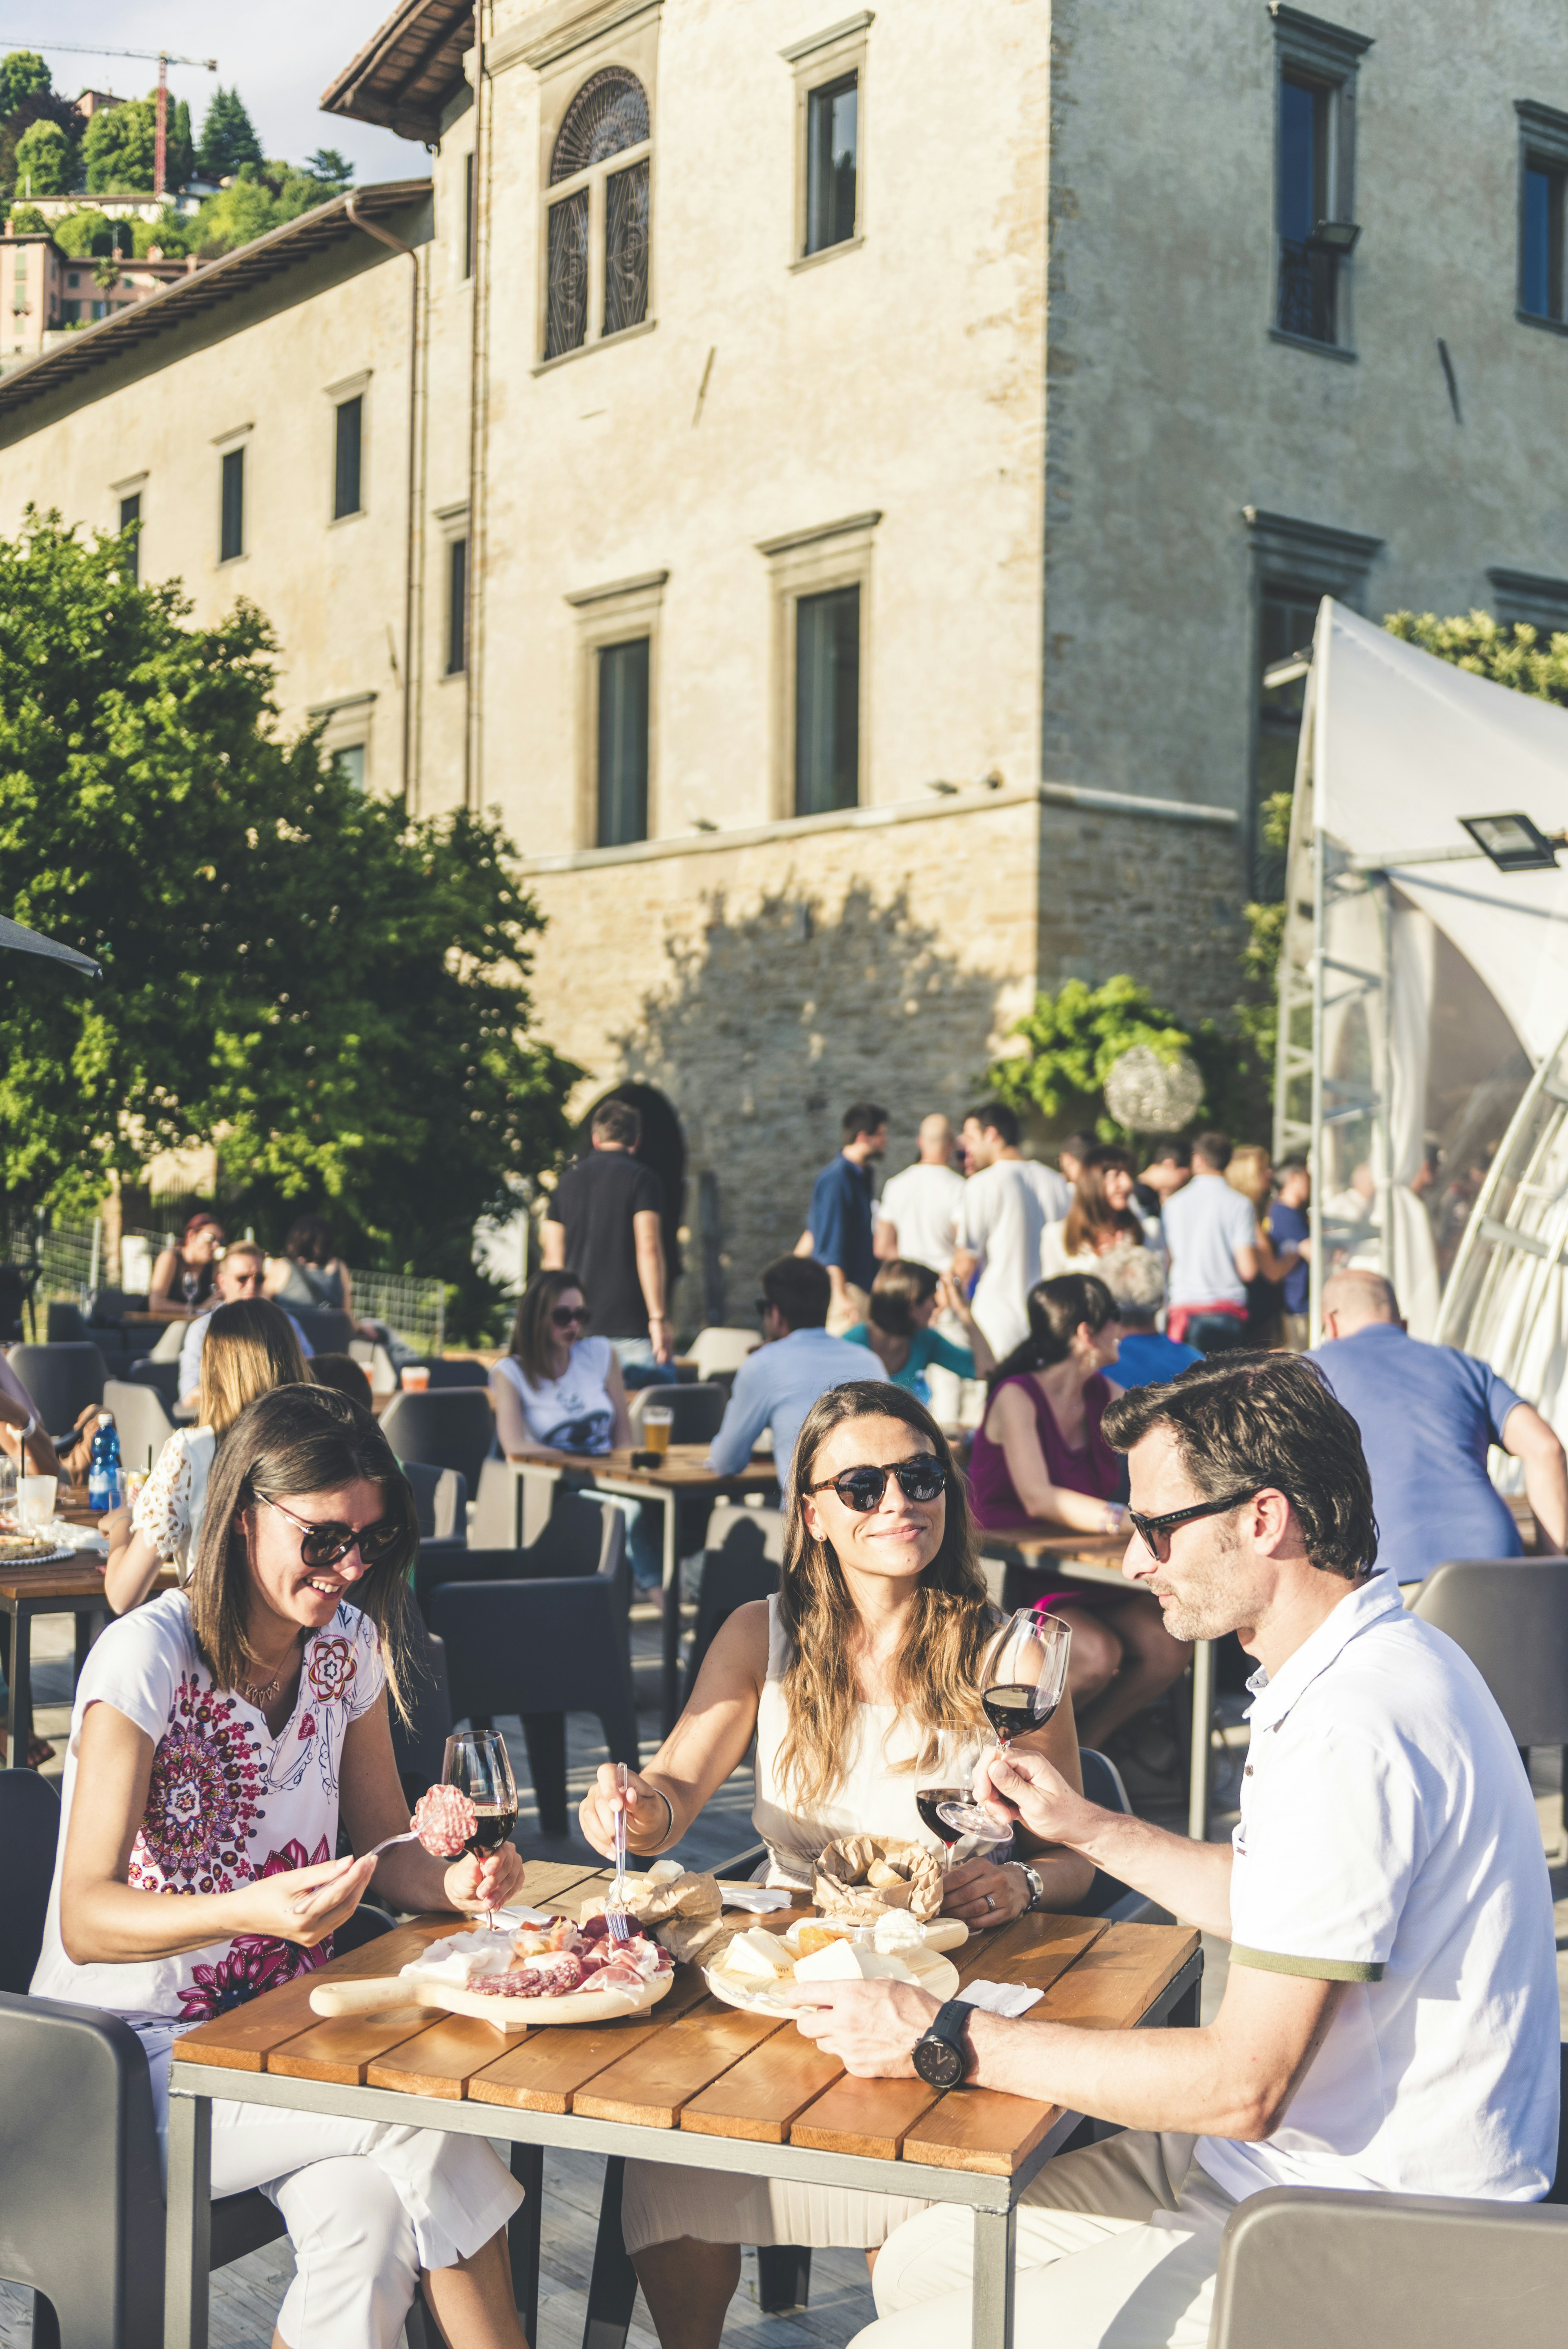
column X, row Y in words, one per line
column 415, row 1377
column 657, row 1420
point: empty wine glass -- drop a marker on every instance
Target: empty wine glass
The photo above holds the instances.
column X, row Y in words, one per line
column 476, row 1761
column 1024, row 1680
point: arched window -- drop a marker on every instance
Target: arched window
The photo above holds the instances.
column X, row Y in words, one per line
column 598, row 217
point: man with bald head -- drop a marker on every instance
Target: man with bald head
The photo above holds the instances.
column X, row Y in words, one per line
column 1427, row 1416
column 918, row 1213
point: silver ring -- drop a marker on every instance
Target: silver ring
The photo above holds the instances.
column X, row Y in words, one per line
column 990, row 1900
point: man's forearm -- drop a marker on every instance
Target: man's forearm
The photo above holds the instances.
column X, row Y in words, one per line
column 1183, row 2081
column 1192, row 1879
column 651, row 1276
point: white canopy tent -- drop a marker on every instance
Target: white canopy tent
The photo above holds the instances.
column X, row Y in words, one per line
column 1424, row 999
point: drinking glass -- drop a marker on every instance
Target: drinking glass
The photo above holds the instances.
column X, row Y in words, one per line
column 951, row 1785
column 1024, row 1677
column 7, row 1488
column 476, row 1761
column 36, row 1499
column 189, row 1282
column 415, row 1378
column 657, row 1422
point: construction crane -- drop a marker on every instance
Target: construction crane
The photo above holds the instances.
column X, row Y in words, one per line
column 163, row 58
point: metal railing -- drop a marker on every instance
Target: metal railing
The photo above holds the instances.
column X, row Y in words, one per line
column 1308, row 277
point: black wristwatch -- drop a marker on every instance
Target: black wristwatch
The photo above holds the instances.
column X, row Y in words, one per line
column 941, row 2057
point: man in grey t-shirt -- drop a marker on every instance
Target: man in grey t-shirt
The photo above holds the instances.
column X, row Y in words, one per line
column 1212, row 1232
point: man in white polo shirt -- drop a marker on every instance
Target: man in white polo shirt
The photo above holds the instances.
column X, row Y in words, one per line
column 1390, row 2016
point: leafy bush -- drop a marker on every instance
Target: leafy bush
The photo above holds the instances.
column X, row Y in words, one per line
column 1074, row 1037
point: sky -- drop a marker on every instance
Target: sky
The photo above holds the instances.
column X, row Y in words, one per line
column 280, row 55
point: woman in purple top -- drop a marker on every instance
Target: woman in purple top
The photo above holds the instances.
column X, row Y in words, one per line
column 1039, row 1453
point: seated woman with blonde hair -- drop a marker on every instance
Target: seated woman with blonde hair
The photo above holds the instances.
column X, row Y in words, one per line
column 859, row 1681
column 251, row 1348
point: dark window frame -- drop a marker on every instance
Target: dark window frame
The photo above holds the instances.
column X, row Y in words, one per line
column 1312, row 281
column 823, row 230
column 232, row 506
column 1543, row 149
column 589, row 234
column 129, row 514
column 623, row 704
column 348, row 457
column 457, row 605
column 470, row 195
column 825, row 786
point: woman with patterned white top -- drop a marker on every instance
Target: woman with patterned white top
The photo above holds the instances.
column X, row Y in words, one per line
column 216, row 1734
column 251, row 1348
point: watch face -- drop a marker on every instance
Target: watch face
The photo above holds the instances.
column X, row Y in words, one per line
column 939, row 2063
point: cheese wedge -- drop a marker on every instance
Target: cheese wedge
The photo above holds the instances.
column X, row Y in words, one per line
column 844, row 1961
column 757, row 1956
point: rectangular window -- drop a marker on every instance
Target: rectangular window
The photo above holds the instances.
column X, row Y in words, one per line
column 350, row 414
column 352, row 761
column 1287, row 617
column 129, row 512
column 1307, row 270
column 626, row 248
column 231, row 542
column 468, row 214
column 456, row 607
column 623, row 743
column 827, row 701
column 567, row 325
column 1540, row 271
column 832, row 156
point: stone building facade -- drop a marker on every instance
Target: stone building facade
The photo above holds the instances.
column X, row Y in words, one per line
column 834, row 486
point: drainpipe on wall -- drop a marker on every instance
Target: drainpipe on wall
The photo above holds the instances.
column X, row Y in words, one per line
column 473, row 745
column 386, row 236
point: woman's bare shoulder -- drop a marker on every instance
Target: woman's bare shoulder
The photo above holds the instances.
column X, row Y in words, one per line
column 741, row 1642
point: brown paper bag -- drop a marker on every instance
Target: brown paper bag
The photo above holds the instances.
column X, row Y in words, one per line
column 844, row 1892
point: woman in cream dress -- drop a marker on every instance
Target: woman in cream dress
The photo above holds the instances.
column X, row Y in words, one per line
column 859, row 1681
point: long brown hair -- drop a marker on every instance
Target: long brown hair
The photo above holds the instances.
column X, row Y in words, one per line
column 1091, row 1217
column 300, row 1439
column 531, row 1331
column 249, row 1349
column 937, row 1670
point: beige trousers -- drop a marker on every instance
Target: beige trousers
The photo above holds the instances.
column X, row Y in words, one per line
column 1117, row 2249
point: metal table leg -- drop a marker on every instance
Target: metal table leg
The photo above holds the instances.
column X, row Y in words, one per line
column 670, row 1693
column 187, row 2259
column 523, row 2235
column 19, row 1675
column 1202, row 1731
column 995, row 2247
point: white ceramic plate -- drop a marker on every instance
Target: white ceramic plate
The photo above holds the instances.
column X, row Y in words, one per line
column 932, row 1972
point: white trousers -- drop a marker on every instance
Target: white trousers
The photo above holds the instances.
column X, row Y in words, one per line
column 1118, row 2247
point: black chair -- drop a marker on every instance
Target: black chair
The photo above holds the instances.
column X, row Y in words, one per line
column 62, row 1380
column 543, row 1649
column 454, row 1428
column 327, row 1331
column 441, row 1497
column 17, row 1287
column 419, row 1746
column 696, row 1411
column 77, row 2106
column 1313, row 2268
column 64, row 1325
column 582, row 1537
column 456, row 1370
column 140, row 1421
column 1107, row 1895
column 740, row 1564
column 163, row 1377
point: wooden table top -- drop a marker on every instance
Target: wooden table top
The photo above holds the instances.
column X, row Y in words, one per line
column 692, row 2063
column 684, row 1469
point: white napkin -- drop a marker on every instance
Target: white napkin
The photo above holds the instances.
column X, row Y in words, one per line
column 512, row 1920
column 1008, row 1999
column 756, row 1900
column 60, row 1534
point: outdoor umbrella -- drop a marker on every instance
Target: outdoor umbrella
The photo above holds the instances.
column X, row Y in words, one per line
column 12, row 934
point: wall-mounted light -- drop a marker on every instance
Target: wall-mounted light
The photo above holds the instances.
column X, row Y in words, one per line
column 1513, row 843
column 1335, row 236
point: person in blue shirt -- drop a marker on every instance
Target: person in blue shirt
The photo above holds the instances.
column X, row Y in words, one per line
column 796, row 1361
column 1289, row 1226
column 1427, row 1416
column 1145, row 1357
column 904, row 1299
column 838, row 1225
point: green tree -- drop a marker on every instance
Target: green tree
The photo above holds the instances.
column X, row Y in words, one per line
column 179, row 154
column 79, row 234
column 331, row 167
column 26, row 220
column 46, row 160
column 22, row 74
column 1073, row 1040
column 336, row 996
column 120, row 144
column 228, row 139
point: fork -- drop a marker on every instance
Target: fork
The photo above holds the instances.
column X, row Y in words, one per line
column 615, row 1905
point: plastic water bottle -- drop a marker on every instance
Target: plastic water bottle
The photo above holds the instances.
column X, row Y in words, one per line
column 103, row 1470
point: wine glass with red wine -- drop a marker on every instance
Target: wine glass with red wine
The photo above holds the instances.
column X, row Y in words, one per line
column 479, row 1766
column 951, row 1785
column 1022, row 1687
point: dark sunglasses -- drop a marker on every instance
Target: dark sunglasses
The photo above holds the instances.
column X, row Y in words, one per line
column 1150, row 1528
column 326, row 1544
column 569, row 1317
column 861, row 1489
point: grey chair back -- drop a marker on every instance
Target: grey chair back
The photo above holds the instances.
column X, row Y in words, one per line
column 163, row 1377
column 696, row 1410
column 327, row 1331
column 30, row 1830
column 441, row 1497
column 140, row 1421
column 1510, row 1615
column 61, row 1380
column 452, row 1427
column 740, row 1561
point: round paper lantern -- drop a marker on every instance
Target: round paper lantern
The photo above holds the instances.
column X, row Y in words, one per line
column 1150, row 1095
